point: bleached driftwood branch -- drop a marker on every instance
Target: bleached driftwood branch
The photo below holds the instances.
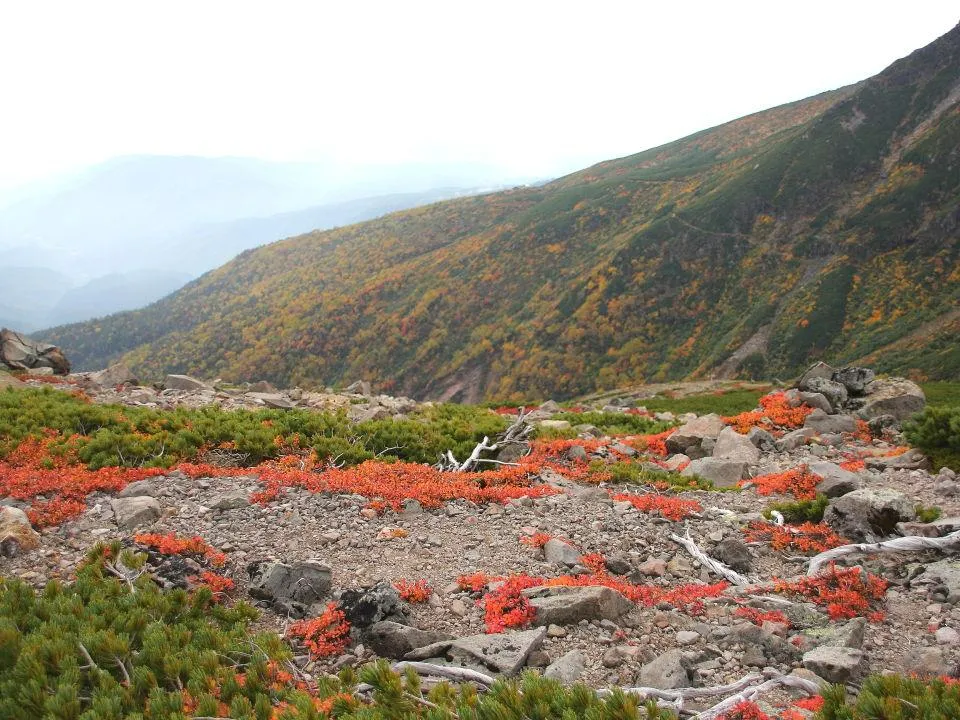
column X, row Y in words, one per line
column 715, row 565
column 912, row 543
column 683, row 694
column 517, row 433
column 752, row 693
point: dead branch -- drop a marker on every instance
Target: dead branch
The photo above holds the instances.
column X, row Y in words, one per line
column 448, row 672
column 514, row 435
column 715, row 565
column 751, row 693
column 912, row 543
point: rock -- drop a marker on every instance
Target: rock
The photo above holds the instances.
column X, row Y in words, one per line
column 816, row 400
column 687, row 637
column 854, row 379
column 231, row 500
column 693, row 433
column 898, row 397
column 139, row 488
column 941, row 573
column 821, row 423
column 761, row 438
column 747, row 634
column 569, row 605
column 554, row 424
column 734, row 553
column 550, row 406
column 868, row 514
column 912, row 459
column 834, row 392
column 722, row 473
column 392, row 640
column 16, row 534
column 458, row 607
column 926, row 662
column 505, row 653
column 818, row 370
column 618, row 565
column 360, row 387
column 654, row 567
column 675, row 462
column 731, row 445
column 612, row 658
column 947, row 636
column 21, row 353
column 836, row 481
column 624, row 450
column 184, row 382
column 567, row 669
column 795, row 438
column 113, row 376
column 290, row 588
column 576, row 452
column 882, row 422
column 666, row 672
column 134, row 512
column 365, row 606
column 849, row 635
column 835, row 664
column 557, row 552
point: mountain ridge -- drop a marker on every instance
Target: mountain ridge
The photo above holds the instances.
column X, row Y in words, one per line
column 824, row 228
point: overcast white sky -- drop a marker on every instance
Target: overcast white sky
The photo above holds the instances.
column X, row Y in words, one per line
column 538, row 87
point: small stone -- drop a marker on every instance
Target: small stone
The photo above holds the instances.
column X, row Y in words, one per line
column 947, row 636
column 687, row 637
column 458, row 607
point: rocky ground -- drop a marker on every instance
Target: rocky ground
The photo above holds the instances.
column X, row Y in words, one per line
column 293, row 555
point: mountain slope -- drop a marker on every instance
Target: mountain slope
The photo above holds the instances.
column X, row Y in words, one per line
column 824, row 228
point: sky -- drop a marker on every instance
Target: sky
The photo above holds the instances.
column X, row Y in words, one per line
column 538, row 88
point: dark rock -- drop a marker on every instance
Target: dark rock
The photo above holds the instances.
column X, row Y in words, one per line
column 734, row 553
column 392, row 640
column 882, row 422
column 365, row 606
column 290, row 588
column 868, row 514
column 834, row 392
column 854, row 379
column 21, row 353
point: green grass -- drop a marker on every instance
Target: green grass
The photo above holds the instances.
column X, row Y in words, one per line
column 631, row 473
column 799, row 511
column 942, row 394
column 615, row 423
column 730, row 402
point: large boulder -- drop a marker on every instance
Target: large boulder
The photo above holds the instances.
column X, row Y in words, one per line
column 854, row 379
column 21, row 353
column 184, row 382
column 113, row 376
column 836, row 481
column 570, row 605
column 868, row 514
column 834, row 392
column 134, row 512
column 898, row 397
column 366, row 606
column 558, row 552
column 290, row 588
column 668, row 671
column 822, row 423
column 392, row 640
column 693, row 433
column 819, row 370
column 505, row 653
column 722, row 473
column 16, row 535
column 568, row 668
column 836, row 664
column 731, row 445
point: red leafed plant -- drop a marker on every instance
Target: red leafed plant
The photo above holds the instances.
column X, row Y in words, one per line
column 799, row 482
column 218, row 584
column 774, row 412
column 537, row 540
column 759, row 617
column 805, row 538
column 413, row 592
column 172, row 544
column 672, row 508
column 813, row 704
column 324, row 635
column 853, row 465
column 654, row 444
column 745, row 710
column 474, row 582
column 845, row 593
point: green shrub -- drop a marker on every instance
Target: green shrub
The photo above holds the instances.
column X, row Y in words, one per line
column 893, row 697
column 631, row 473
column 936, row 431
column 729, row 402
column 928, row 514
column 799, row 511
column 614, row 423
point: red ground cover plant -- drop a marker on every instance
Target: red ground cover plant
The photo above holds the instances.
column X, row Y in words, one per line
column 672, row 508
column 171, row 544
column 537, row 540
column 655, row 444
column 853, row 465
column 746, row 710
column 759, row 617
column 325, row 635
column 413, row 592
column 218, row 584
column 807, row 538
column 845, row 593
column 774, row 413
column 799, row 482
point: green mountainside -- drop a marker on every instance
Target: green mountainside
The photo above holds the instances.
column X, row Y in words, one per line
column 826, row 228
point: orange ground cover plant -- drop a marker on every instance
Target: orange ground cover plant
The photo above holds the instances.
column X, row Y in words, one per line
column 325, row 635
column 745, row 710
column 413, row 592
column 759, row 617
column 807, row 538
column 218, row 584
column 774, row 413
column 537, row 540
column 845, row 593
column 853, row 465
column 672, row 508
column 799, row 482
column 172, row 544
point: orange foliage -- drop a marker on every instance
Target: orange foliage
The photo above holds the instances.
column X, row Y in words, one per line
column 218, row 584
column 774, row 412
column 845, row 593
column 324, row 635
column 413, row 592
column 853, row 465
column 537, row 540
column 654, row 444
column 759, row 617
column 799, row 482
column 171, row 544
column 745, row 710
column 672, row 508
column 806, row 537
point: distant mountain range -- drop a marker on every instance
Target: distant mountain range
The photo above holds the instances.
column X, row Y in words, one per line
column 149, row 224
column 827, row 228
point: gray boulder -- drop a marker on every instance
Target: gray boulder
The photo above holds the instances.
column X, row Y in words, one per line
column 668, row 671
column 834, row 392
column 22, row 353
column 854, row 379
column 113, row 376
column 722, row 473
column 505, row 653
column 912, row 459
column 392, row 640
column 693, row 433
column 836, row 481
column 184, row 382
column 568, row 668
column 134, row 512
column 557, row 552
column 731, row 445
column 761, row 438
column 570, row 605
column 836, row 664
column 821, row 423
column 795, row 438
column 898, row 397
column 816, row 400
column 733, row 552
column 868, row 514
column 139, row 488
column 290, row 588
column 819, row 370
column 231, row 500
column 926, row 662
column 368, row 605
